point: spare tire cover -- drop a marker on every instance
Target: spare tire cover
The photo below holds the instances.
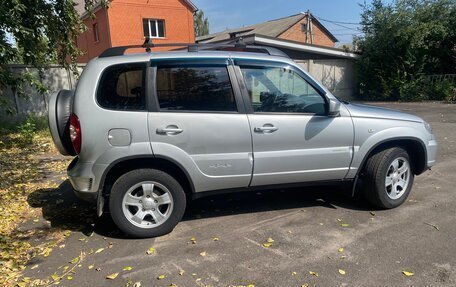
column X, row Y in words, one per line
column 60, row 107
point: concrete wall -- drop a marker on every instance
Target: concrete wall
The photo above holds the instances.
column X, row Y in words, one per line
column 337, row 75
column 55, row 78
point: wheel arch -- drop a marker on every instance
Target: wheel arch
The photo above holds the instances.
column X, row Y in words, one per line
column 414, row 146
column 121, row 166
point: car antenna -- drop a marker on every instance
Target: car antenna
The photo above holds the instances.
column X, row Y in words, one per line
column 148, row 44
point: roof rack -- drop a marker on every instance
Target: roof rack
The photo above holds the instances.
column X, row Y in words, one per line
column 239, row 46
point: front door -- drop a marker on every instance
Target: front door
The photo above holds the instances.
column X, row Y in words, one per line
column 293, row 138
column 200, row 123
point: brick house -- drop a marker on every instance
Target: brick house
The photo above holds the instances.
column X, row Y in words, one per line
column 127, row 22
column 302, row 28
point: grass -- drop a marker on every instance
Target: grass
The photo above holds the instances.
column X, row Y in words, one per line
column 20, row 175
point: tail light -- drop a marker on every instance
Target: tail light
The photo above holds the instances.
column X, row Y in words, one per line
column 75, row 133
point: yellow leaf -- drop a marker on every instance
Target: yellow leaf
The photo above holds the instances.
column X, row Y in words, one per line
column 150, row 251
column 215, row 239
column 112, row 276
column 340, row 250
column 203, row 253
column 267, row 245
column 34, row 266
column 99, row 250
column 69, row 277
column 193, row 240
column 74, row 260
column 90, row 267
column 55, row 277
column 250, row 285
column 293, row 273
column 160, row 277
column 270, row 240
column 341, row 271
column 408, row 273
column 127, row 268
column 313, row 273
column 173, row 285
column 344, row 225
column 305, row 285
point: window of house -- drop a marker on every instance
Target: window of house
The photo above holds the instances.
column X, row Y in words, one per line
column 122, row 87
column 195, row 89
column 154, row 28
column 281, row 90
column 96, row 36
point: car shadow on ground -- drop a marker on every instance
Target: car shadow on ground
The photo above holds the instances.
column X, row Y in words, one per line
column 64, row 210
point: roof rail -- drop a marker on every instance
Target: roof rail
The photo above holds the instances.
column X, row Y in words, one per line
column 239, row 46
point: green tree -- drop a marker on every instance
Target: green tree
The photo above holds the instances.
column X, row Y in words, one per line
column 404, row 41
column 201, row 24
column 38, row 33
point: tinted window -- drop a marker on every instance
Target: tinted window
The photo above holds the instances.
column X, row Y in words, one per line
column 281, row 90
column 122, row 87
column 195, row 89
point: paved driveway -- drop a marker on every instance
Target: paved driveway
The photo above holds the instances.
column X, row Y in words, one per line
column 309, row 226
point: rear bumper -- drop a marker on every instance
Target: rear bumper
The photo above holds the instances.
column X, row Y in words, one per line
column 431, row 148
column 82, row 179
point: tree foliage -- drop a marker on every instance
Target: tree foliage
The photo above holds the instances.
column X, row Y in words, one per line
column 404, row 42
column 38, row 33
column 201, row 24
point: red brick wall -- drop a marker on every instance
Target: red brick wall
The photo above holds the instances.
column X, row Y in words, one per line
column 86, row 40
column 295, row 33
column 125, row 24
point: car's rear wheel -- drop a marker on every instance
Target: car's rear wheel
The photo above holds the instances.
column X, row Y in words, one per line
column 147, row 203
column 388, row 177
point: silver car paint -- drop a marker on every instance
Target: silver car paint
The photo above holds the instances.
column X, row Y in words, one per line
column 216, row 149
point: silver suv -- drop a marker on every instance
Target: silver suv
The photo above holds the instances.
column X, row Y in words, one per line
column 152, row 130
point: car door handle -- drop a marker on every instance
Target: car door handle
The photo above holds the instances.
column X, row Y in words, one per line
column 266, row 129
column 169, row 130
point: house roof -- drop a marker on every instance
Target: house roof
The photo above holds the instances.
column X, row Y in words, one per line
column 272, row 28
column 80, row 6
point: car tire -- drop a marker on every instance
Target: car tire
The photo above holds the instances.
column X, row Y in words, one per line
column 388, row 178
column 146, row 203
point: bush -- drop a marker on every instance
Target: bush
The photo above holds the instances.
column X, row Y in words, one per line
column 30, row 127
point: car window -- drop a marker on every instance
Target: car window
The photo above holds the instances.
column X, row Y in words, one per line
column 195, row 89
column 122, row 87
column 281, row 90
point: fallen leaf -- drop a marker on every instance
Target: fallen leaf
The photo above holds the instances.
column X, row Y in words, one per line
column 55, row 277
column 338, row 219
column 193, row 240
column 435, row 226
column 98, row 269
column 127, row 268
column 340, row 250
column 372, row 213
column 173, row 285
column 74, row 260
column 181, row 272
column 160, row 277
column 293, row 273
column 341, row 272
column 305, row 285
column 270, row 240
column 69, row 277
column 198, row 279
column 137, row 284
column 215, row 239
column 112, row 276
column 90, row 267
column 345, row 225
column 408, row 273
column 150, row 251
column 267, row 245
column 99, row 250
column 203, row 253
column 34, row 266
column 313, row 273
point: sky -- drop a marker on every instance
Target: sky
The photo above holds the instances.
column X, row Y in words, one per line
column 224, row 14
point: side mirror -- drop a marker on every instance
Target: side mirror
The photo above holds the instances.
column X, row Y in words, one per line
column 334, row 108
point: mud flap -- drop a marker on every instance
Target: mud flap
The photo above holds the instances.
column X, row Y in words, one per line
column 100, row 204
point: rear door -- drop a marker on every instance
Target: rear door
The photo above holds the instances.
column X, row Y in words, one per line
column 294, row 140
column 199, row 122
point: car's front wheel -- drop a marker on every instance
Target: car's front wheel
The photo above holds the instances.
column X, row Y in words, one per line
column 146, row 203
column 388, row 177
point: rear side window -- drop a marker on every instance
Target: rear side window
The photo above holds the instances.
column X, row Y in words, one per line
column 122, row 87
column 195, row 89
